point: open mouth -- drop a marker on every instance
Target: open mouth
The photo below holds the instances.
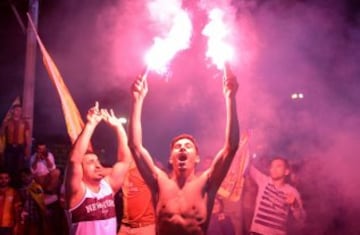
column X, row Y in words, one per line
column 182, row 157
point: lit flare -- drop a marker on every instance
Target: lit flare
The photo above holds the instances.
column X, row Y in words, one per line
column 176, row 39
column 218, row 49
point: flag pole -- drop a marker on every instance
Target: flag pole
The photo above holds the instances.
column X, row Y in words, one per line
column 29, row 72
column 18, row 18
column 73, row 120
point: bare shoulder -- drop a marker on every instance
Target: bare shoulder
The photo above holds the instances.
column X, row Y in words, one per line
column 163, row 181
column 161, row 175
column 107, row 180
column 205, row 176
column 74, row 197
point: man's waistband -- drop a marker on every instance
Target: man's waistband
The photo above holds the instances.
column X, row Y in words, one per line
column 137, row 224
column 15, row 145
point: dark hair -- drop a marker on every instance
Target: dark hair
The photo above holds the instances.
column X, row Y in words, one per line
column 184, row 136
column 4, row 171
column 284, row 160
column 40, row 142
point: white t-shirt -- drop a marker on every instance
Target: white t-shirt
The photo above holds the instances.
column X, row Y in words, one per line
column 41, row 168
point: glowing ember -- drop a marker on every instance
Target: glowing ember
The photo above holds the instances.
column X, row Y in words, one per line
column 178, row 38
column 218, row 50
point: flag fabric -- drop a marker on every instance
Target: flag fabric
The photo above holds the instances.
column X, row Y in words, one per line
column 6, row 118
column 232, row 186
column 73, row 120
column 36, row 192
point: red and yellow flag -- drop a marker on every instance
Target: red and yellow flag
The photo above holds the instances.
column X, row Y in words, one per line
column 232, row 186
column 74, row 123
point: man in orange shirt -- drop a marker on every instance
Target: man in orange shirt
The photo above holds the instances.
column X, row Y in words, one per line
column 9, row 204
column 17, row 137
column 138, row 217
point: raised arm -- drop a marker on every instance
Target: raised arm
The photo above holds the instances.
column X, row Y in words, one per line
column 258, row 176
column 75, row 187
column 142, row 158
column 223, row 159
column 120, row 168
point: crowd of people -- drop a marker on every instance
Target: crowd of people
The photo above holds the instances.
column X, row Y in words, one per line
column 136, row 195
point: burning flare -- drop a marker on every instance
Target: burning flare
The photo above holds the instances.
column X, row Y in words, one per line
column 175, row 40
column 218, row 50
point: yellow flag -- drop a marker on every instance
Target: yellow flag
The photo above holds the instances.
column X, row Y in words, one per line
column 36, row 192
column 231, row 187
column 6, row 118
column 74, row 123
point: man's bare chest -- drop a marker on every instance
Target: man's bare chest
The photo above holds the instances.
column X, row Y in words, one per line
column 188, row 201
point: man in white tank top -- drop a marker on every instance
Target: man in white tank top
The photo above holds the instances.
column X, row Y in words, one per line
column 89, row 193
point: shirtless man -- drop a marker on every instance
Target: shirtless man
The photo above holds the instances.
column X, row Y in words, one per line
column 89, row 193
column 183, row 201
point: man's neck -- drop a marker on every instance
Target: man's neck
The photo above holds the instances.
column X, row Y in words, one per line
column 16, row 118
column 3, row 189
column 279, row 182
column 182, row 177
column 94, row 186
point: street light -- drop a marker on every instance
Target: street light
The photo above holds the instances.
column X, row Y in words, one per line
column 297, row 95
